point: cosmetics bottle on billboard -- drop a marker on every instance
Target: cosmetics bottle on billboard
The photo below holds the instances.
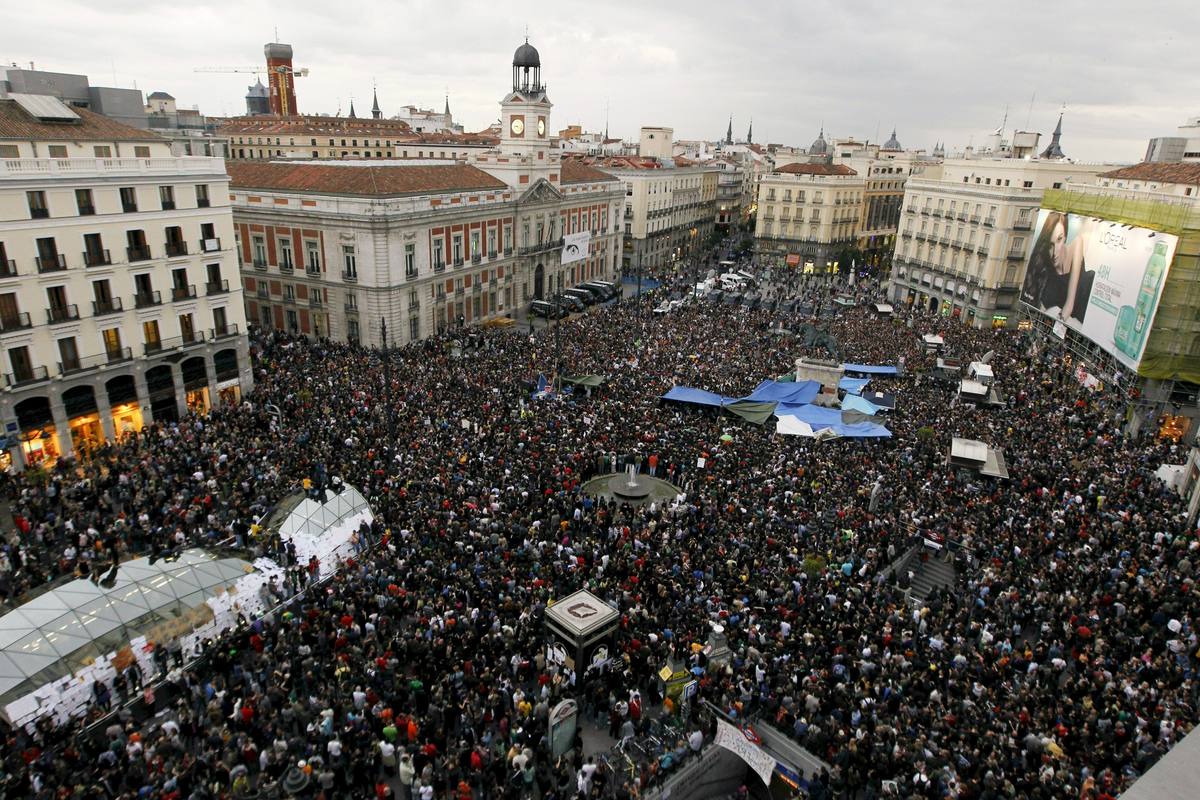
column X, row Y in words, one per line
column 1124, row 331
column 1143, row 309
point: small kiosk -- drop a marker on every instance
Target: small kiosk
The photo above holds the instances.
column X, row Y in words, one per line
column 585, row 627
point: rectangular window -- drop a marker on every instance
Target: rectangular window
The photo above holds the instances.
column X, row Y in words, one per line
column 285, row 254
column 9, row 151
column 37, row 205
column 414, row 328
column 104, row 151
column 128, row 199
column 112, row 341
column 57, row 150
column 259, row 246
column 166, row 196
column 187, row 327
column 349, row 261
column 312, row 257
column 457, row 250
column 410, row 261
column 141, row 151
column 201, row 196
column 475, row 244
column 491, row 239
column 83, row 201
column 220, row 323
column 68, row 354
column 151, row 335
column 439, row 259
column 507, row 243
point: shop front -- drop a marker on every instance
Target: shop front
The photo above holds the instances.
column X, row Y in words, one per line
column 195, row 384
column 124, row 405
column 37, row 434
column 160, row 382
column 83, row 419
column 999, row 321
column 229, row 393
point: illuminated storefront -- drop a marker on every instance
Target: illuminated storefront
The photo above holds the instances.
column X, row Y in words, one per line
column 229, row 393
column 40, row 446
column 86, row 433
column 197, row 401
column 999, row 321
column 127, row 418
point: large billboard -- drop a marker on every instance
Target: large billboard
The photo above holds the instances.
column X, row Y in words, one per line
column 1100, row 278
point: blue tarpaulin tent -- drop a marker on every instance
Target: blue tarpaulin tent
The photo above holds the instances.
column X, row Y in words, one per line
column 818, row 418
column 853, row 385
column 686, row 394
column 853, row 402
column 796, row 392
column 870, row 369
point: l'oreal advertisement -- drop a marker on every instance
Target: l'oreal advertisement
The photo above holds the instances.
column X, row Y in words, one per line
column 1100, row 278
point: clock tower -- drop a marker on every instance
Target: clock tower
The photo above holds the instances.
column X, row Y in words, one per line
column 525, row 112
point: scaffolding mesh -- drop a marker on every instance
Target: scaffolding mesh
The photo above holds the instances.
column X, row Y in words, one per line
column 1173, row 346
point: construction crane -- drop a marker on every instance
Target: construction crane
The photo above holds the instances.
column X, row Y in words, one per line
column 281, row 70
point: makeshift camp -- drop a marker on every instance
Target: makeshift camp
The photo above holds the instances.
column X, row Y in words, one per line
column 853, row 385
column 870, row 369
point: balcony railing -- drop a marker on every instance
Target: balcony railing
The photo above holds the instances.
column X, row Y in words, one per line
column 351, row 308
column 172, row 165
column 147, row 299
column 53, row 263
column 1023, row 225
column 67, row 313
column 26, row 376
column 553, row 244
column 138, row 253
column 508, row 251
column 210, row 245
column 128, row 208
column 491, row 255
column 476, row 258
column 96, row 258
column 1015, row 255
column 168, row 205
column 260, row 265
column 263, row 293
column 290, row 299
column 8, row 268
column 116, row 356
column 990, row 222
column 39, row 213
column 974, row 218
column 223, row 331
column 349, row 277
column 203, row 202
column 216, row 287
column 87, row 211
column 112, row 305
column 174, row 343
column 315, row 301
column 183, row 292
column 14, row 322
column 458, row 262
column 410, row 276
column 438, row 266
column 287, row 269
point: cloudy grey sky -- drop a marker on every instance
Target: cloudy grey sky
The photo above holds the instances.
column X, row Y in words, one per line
column 936, row 69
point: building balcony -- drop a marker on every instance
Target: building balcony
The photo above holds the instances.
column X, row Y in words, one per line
column 1023, row 225
column 97, row 258
column 203, row 202
column 439, row 266
column 990, row 222
column 216, row 287
column 174, row 343
column 183, row 292
column 975, row 218
column 57, row 314
column 1015, row 255
column 262, row 292
column 168, row 205
column 508, row 251
column 176, row 249
column 113, row 305
column 316, row 301
column 223, row 332
column 138, row 253
column 349, row 277
column 129, row 208
column 458, row 262
column 87, row 211
column 8, row 268
column 259, row 265
column 51, row 263
column 110, row 167
column 147, row 299
column 350, row 308
column 14, row 322
column 26, row 376
column 476, row 258
column 210, row 245
column 286, row 269
column 492, row 255
column 39, row 213
column 289, row 299
column 117, row 356
column 553, row 244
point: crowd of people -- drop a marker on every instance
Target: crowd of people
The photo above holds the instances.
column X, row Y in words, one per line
column 1060, row 664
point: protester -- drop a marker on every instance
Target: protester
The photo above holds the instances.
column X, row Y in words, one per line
column 1061, row 663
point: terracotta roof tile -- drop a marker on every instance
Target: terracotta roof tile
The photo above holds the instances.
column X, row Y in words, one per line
column 15, row 123
column 367, row 181
column 817, row 169
column 575, row 172
column 1158, row 173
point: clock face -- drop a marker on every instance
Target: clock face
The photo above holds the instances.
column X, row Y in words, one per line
column 518, row 126
column 541, row 127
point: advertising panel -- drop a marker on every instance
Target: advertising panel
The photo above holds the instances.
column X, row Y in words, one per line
column 1102, row 279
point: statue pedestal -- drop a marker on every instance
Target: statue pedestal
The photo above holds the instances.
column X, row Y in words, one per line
column 718, row 650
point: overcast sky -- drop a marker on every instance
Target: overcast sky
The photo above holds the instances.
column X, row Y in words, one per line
column 937, row 70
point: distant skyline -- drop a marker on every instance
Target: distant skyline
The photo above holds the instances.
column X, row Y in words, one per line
column 935, row 71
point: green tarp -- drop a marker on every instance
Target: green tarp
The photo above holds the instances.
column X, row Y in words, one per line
column 751, row 411
column 585, row 380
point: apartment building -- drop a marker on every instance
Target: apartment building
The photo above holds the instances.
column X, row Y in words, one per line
column 966, row 232
column 808, row 213
column 343, row 248
column 317, row 137
column 119, row 298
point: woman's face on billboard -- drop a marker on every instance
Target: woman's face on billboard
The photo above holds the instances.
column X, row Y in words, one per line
column 1058, row 247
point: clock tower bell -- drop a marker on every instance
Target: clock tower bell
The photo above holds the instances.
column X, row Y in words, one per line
column 525, row 112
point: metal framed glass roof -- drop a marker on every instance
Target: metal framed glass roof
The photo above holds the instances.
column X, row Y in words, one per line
column 57, row 632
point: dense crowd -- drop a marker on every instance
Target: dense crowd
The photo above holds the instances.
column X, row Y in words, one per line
column 1061, row 664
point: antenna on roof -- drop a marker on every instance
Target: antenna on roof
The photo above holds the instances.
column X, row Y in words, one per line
column 277, row 33
column 1029, row 116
